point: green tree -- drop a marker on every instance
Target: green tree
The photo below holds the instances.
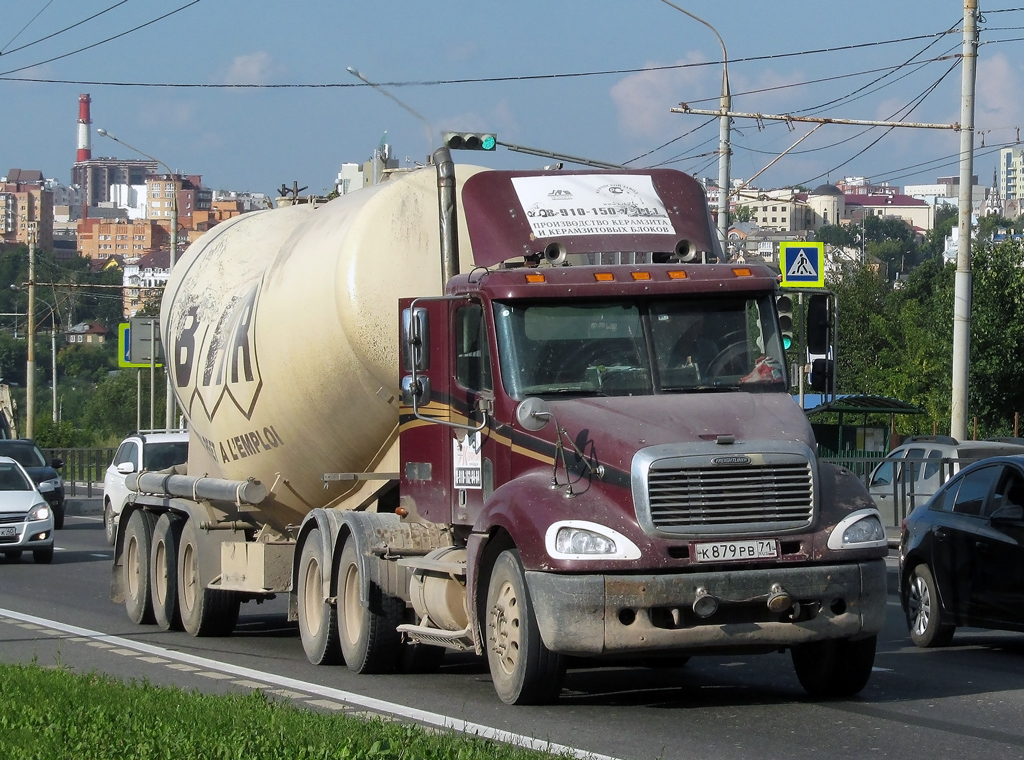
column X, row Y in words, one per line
column 838, row 234
column 987, row 226
column 111, row 409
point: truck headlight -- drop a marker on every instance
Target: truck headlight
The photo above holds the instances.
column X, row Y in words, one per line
column 859, row 530
column 39, row 512
column 579, row 539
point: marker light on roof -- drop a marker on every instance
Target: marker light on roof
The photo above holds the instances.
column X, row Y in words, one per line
column 604, row 276
column 678, row 275
column 742, row 272
column 641, row 275
column 535, row 278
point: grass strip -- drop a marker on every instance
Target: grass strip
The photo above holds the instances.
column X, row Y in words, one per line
column 53, row 713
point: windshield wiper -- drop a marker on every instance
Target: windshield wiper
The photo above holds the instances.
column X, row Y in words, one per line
column 699, row 388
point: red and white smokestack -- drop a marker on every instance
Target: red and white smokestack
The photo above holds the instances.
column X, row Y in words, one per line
column 84, row 135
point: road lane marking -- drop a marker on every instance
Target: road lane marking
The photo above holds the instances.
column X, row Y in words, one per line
column 369, row 704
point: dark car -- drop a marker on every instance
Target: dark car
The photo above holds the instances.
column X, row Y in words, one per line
column 43, row 473
column 962, row 554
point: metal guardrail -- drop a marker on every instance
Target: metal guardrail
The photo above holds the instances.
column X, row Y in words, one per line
column 83, row 469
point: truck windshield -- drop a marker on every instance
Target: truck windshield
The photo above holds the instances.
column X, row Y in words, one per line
column 640, row 347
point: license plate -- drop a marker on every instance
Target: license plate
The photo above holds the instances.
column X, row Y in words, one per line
column 8, row 532
column 725, row 551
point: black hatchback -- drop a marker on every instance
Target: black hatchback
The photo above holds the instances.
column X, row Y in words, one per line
column 962, row 554
column 25, row 452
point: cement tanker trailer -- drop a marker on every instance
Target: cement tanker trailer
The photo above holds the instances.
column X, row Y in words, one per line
column 528, row 414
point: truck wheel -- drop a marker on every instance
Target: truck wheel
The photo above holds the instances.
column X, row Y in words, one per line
column 524, row 671
column 318, row 618
column 924, row 612
column 370, row 642
column 836, row 668
column 163, row 578
column 204, row 612
column 109, row 523
column 138, row 549
column 43, row 556
column 58, row 516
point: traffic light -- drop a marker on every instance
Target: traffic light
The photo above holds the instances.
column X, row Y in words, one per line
column 818, row 326
column 469, row 140
column 784, row 304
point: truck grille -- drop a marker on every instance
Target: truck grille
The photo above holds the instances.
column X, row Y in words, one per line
column 698, row 495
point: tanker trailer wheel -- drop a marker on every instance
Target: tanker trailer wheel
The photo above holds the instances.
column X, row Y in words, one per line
column 138, row 550
column 318, row 618
column 204, row 612
column 837, row 668
column 370, row 642
column 524, row 671
column 163, row 578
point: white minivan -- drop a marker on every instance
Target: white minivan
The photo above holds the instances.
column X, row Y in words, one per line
column 915, row 470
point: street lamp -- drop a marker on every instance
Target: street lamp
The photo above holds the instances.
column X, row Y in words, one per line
column 430, row 127
column 31, row 363
column 725, row 105
column 53, row 353
column 169, row 405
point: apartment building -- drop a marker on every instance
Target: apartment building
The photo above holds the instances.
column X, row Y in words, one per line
column 102, row 238
column 26, row 208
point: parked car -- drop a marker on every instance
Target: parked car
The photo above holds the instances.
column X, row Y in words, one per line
column 44, row 474
column 26, row 520
column 149, row 452
column 962, row 554
column 915, row 470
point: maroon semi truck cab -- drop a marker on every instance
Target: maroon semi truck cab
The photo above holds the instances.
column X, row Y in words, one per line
column 617, row 442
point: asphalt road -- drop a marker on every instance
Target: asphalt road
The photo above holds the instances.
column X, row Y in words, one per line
column 964, row 701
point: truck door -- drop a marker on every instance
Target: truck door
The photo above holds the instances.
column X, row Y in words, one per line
column 475, row 452
column 425, row 435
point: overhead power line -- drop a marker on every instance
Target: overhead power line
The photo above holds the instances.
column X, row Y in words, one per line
column 61, row 31
column 102, row 42
column 437, row 82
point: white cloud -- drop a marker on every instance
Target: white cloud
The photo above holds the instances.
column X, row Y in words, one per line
column 999, row 106
column 643, row 99
column 254, row 68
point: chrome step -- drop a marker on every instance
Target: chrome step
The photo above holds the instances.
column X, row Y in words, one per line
column 461, row 641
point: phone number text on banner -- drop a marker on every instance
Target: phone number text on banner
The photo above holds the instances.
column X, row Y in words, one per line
column 592, row 204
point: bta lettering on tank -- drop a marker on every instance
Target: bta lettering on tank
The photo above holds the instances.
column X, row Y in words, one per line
column 220, row 362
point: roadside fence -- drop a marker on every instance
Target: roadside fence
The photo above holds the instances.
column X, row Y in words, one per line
column 83, row 469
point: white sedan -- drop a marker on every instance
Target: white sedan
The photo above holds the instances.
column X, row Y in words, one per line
column 26, row 520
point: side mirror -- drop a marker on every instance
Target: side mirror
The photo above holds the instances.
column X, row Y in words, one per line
column 533, row 414
column 56, row 463
column 415, row 340
column 1008, row 514
column 126, row 468
column 421, row 391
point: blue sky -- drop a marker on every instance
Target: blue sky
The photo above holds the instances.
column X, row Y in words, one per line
column 257, row 139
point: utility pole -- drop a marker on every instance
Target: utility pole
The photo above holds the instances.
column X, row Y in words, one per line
column 963, row 282
column 30, row 366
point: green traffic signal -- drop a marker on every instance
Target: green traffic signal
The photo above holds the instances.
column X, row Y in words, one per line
column 784, row 304
column 469, row 140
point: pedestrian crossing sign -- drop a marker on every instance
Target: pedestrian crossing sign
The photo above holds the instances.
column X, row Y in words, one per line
column 802, row 265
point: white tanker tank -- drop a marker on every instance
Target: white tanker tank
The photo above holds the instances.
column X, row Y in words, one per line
column 283, row 335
